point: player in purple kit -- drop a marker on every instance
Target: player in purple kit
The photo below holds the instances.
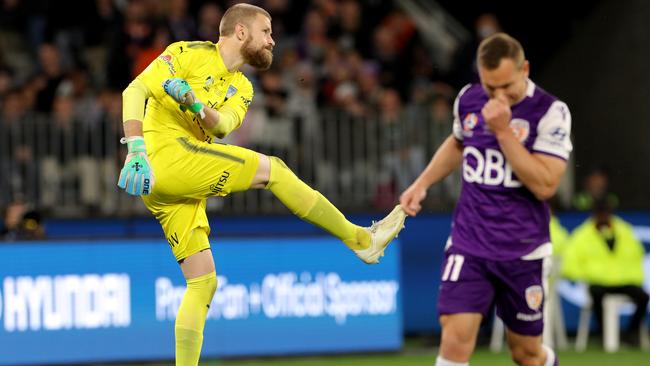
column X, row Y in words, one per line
column 512, row 140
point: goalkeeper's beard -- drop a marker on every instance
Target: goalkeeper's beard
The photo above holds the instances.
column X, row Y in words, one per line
column 258, row 58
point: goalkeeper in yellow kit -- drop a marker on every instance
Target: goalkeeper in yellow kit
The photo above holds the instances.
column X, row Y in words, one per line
column 195, row 92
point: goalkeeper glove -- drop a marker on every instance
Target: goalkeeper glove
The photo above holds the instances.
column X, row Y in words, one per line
column 182, row 93
column 137, row 176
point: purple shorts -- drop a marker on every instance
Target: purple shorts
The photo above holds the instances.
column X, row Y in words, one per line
column 472, row 284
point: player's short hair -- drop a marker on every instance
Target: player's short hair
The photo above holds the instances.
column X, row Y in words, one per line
column 239, row 13
column 497, row 47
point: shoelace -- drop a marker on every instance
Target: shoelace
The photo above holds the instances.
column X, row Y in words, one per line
column 373, row 226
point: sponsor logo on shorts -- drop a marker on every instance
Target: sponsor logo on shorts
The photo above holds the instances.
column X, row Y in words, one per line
column 217, row 188
column 534, row 297
column 529, row 317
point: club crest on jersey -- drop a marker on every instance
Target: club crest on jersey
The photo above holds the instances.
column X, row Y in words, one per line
column 469, row 122
column 521, row 128
column 230, row 92
column 168, row 60
column 534, row 297
column 208, row 83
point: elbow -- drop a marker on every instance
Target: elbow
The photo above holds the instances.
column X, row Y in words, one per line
column 544, row 193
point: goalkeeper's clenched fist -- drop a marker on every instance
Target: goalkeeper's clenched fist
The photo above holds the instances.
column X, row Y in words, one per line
column 136, row 178
column 182, row 93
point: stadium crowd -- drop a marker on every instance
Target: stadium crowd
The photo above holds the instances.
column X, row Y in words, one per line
column 61, row 78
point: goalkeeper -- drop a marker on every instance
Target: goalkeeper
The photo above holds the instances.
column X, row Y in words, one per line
column 195, row 92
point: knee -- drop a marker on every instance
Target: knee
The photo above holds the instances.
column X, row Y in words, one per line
column 457, row 344
column 527, row 356
column 204, row 286
column 277, row 163
column 271, row 169
column 211, row 285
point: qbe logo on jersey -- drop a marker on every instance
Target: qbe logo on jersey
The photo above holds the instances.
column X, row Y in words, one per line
column 46, row 303
column 489, row 167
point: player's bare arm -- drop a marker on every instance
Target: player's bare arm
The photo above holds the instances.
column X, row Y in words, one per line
column 133, row 127
column 137, row 176
column 447, row 158
column 540, row 173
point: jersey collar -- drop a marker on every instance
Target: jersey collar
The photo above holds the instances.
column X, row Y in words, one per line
column 220, row 63
column 530, row 88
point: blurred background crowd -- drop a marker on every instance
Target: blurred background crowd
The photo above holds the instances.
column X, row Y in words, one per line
column 359, row 97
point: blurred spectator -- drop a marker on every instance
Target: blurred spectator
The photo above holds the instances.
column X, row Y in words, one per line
column 18, row 124
column 101, row 26
column 181, row 25
column 394, row 153
column 466, row 70
column 107, row 156
column 285, row 13
column 604, row 253
column 14, row 47
column 370, row 90
column 439, row 125
column 6, row 80
column 134, row 34
column 559, row 236
column 62, row 149
column 272, row 118
column 314, row 41
column 209, row 18
column 51, row 75
column 149, row 51
column 595, row 187
column 21, row 223
column 12, row 218
column 301, row 104
column 348, row 29
column 12, row 15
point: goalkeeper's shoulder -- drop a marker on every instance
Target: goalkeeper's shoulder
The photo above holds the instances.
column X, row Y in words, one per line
column 190, row 49
column 243, row 84
column 191, row 53
column 193, row 48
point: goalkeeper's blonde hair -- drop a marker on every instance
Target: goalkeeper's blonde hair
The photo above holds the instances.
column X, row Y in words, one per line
column 239, row 13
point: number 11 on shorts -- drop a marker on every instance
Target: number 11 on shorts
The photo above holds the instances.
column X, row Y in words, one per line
column 452, row 269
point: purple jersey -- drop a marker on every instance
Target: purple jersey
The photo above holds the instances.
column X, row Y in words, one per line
column 496, row 216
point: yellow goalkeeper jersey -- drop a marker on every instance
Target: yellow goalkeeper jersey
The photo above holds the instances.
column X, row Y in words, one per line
column 201, row 65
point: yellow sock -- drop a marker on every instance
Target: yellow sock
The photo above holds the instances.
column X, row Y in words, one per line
column 190, row 319
column 313, row 207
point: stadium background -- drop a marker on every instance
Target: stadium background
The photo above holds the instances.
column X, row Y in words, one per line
column 358, row 99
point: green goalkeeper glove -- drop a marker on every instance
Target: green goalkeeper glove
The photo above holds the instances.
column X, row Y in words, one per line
column 136, row 178
column 182, row 93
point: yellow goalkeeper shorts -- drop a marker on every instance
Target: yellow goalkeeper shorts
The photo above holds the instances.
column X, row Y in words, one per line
column 187, row 171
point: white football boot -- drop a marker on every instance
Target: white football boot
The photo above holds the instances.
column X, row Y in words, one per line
column 381, row 234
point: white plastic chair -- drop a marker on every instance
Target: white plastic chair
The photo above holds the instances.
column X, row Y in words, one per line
column 611, row 324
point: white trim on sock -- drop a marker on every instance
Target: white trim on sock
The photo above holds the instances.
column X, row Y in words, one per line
column 443, row 362
column 550, row 355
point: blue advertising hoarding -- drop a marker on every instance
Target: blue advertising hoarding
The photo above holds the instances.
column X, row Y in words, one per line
column 66, row 302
